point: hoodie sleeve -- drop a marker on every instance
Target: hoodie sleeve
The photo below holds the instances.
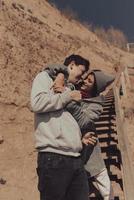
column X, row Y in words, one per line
column 42, row 97
column 83, row 119
column 54, row 69
column 93, row 107
column 93, row 110
column 85, row 114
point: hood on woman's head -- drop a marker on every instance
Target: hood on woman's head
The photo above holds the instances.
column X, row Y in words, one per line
column 102, row 80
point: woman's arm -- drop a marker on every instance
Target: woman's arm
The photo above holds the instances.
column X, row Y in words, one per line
column 80, row 116
column 54, row 69
column 85, row 114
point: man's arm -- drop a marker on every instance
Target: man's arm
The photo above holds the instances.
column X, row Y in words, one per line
column 42, row 97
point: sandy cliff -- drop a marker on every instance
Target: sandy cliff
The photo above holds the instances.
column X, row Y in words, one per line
column 32, row 34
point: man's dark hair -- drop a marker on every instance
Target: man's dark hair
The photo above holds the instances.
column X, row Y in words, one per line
column 78, row 61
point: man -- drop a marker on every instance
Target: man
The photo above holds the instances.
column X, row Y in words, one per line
column 58, row 137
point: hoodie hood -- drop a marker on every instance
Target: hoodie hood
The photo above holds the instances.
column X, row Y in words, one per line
column 102, row 80
column 54, row 69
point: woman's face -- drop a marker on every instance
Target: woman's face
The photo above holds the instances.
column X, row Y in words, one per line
column 88, row 83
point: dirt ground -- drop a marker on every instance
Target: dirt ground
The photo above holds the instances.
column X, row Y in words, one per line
column 33, row 34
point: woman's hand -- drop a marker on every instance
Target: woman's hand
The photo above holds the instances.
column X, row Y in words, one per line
column 59, row 84
column 89, row 138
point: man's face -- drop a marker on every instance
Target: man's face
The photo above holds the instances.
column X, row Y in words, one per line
column 75, row 72
column 88, row 83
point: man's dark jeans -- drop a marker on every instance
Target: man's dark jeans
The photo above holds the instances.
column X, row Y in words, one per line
column 61, row 177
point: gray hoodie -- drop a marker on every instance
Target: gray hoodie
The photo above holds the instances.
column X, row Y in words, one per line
column 55, row 128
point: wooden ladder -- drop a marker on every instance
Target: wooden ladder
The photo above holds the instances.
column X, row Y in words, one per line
column 112, row 134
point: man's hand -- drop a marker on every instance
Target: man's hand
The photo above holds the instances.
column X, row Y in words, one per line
column 58, row 88
column 76, row 95
column 89, row 138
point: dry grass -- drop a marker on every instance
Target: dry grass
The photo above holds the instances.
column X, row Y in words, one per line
column 69, row 14
column 112, row 35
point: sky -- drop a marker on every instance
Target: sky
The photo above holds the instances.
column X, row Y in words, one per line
column 106, row 13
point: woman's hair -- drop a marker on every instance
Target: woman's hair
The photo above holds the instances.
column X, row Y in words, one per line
column 94, row 89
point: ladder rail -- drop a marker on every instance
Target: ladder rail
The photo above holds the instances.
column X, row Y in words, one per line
column 127, row 169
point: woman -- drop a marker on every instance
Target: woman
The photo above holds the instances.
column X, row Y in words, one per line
column 86, row 112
